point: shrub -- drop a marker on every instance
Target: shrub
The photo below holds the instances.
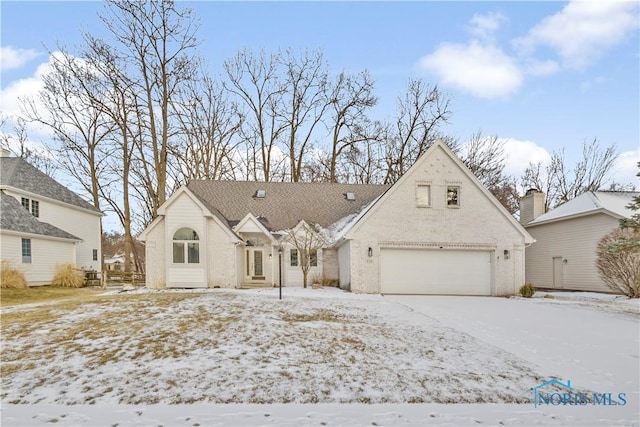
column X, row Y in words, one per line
column 619, row 261
column 11, row 277
column 67, row 275
column 527, row 290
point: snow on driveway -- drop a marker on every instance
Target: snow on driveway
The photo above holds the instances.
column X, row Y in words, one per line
column 594, row 344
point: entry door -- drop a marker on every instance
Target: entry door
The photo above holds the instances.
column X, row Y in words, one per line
column 557, row 272
column 255, row 265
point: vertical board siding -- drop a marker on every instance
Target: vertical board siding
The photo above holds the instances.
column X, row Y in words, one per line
column 575, row 240
column 155, row 257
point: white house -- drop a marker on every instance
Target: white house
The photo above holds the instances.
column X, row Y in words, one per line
column 43, row 223
column 565, row 253
column 435, row 231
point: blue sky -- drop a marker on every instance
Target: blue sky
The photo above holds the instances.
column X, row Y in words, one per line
column 542, row 75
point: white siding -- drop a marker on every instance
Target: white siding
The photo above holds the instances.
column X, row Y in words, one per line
column 575, row 241
column 184, row 212
column 155, row 257
column 222, row 256
column 330, row 269
column 344, row 261
column 45, row 256
column 477, row 224
column 81, row 224
column 293, row 274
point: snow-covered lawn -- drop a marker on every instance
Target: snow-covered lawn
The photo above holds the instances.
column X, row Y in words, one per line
column 231, row 357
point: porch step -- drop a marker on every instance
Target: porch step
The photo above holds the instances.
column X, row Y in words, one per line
column 255, row 285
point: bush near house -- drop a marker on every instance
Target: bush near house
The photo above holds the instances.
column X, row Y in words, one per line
column 67, row 275
column 11, row 277
column 527, row 290
column 619, row 261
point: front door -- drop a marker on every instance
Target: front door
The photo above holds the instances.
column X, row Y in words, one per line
column 254, row 264
column 558, row 275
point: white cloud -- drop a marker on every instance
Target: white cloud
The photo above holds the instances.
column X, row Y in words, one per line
column 12, row 96
column 484, row 25
column 520, row 153
column 626, row 168
column 15, row 58
column 541, row 68
column 582, row 30
column 483, row 71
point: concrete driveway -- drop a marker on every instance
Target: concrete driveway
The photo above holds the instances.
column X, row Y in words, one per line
column 594, row 346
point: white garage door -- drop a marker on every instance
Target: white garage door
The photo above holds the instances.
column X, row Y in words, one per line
column 435, row 272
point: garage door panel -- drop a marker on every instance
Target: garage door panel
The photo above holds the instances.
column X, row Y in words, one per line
column 422, row 271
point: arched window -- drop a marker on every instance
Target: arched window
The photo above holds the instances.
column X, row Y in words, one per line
column 186, row 246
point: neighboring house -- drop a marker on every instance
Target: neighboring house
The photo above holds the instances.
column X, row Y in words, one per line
column 114, row 263
column 565, row 253
column 43, row 223
column 435, row 231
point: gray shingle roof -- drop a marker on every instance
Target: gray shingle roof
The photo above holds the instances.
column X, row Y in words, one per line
column 14, row 217
column 284, row 204
column 17, row 173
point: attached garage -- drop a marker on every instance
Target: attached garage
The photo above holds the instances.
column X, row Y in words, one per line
column 435, row 271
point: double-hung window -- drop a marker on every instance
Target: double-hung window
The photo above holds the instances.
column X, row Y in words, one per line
column 26, row 251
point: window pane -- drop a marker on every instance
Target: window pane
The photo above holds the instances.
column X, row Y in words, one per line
column 35, row 208
column 95, row 254
column 423, row 198
column 25, row 203
column 313, row 258
column 26, row 251
column 185, row 234
column 294, row 257
column 193, row 250
column 453, row 196
column 178, row 253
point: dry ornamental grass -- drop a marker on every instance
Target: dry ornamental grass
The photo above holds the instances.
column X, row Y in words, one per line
column 11, row 277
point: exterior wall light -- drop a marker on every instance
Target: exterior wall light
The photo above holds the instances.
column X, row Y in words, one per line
column 370, row 251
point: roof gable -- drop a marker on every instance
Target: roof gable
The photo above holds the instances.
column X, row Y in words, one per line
column 284, row 204
column 17, row 173
column 612, row 203
column 423, row 163
column 16, row 218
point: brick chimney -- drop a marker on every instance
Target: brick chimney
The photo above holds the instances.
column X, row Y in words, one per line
column 531, row 206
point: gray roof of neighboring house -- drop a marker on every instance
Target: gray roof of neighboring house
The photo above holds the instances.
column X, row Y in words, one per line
column 610, row 202
column 17, row 173
column 284, row 204
column 16, row 218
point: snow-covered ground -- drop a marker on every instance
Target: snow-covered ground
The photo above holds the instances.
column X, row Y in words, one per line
column 318, row 357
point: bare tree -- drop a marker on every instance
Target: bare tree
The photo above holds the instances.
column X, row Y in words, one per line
column 350, row 98
column 255, row 81
column 561, row 183
column 156, row 39
column 308, row 241
column 486, row 158
column 77, row 121
column 304, row 104
column 420, row 112
column 209, row 124
column 14, row 138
